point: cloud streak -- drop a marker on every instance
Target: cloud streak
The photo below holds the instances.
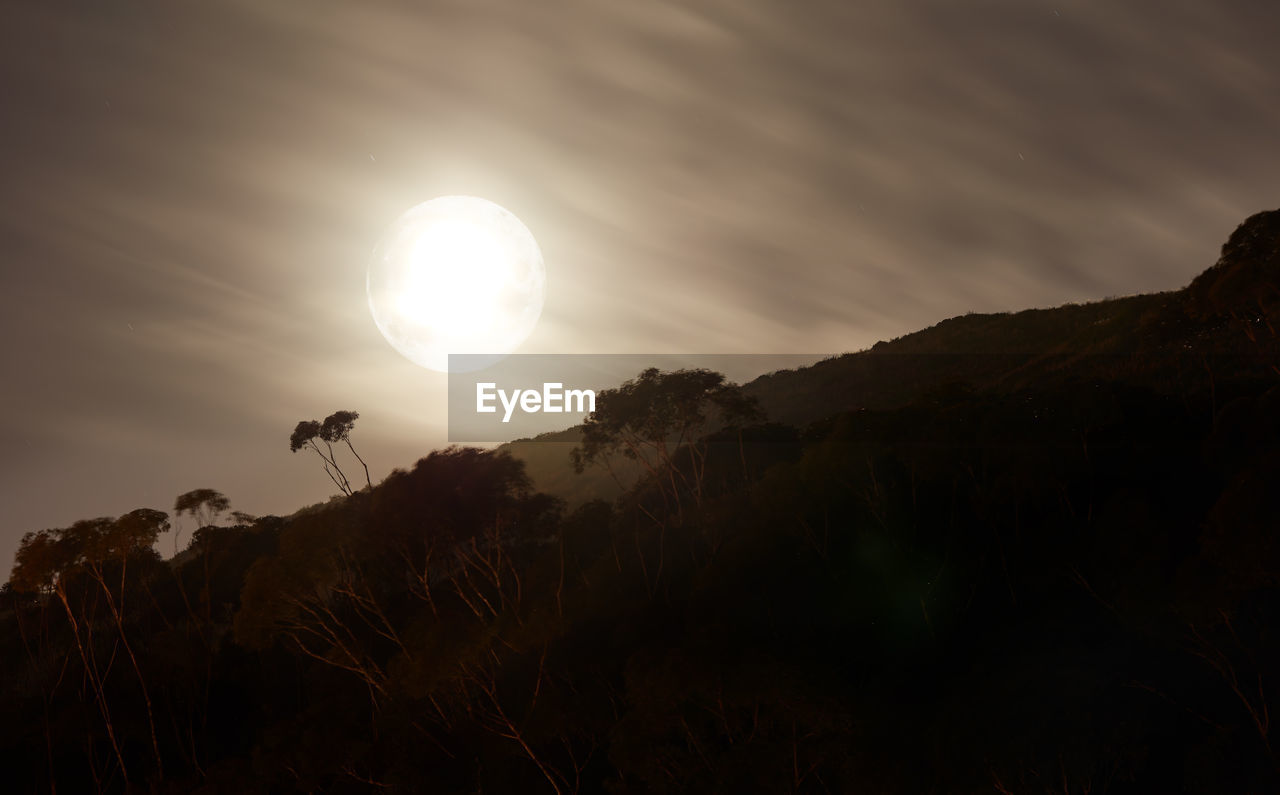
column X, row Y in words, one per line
column 190, row 194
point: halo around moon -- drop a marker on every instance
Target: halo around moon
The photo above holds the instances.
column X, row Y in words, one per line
column 457, row 274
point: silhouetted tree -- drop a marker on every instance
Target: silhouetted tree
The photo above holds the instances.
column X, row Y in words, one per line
column 116, row 542
column 205, row 506
column 49, row 560
column 1057, row 578
column 44, row 562
column 657, row 414
column 202, row 505
column 337, row 428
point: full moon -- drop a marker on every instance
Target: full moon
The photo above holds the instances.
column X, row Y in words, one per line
column 457, row 274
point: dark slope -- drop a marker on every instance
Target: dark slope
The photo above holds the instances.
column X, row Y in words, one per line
column 1039, row 557
column 1223, row 325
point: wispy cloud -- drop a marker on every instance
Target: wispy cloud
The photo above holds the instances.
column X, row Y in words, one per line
column 190, row 192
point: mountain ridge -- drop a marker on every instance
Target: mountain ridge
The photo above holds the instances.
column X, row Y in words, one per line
column 1171, row 341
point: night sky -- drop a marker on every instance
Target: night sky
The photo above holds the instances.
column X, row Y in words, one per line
column 189, row 193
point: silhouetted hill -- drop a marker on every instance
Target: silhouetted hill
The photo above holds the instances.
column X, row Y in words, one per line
column 1245, row 282
column 1223, row 324
column 546, row 458
column 1025, row 553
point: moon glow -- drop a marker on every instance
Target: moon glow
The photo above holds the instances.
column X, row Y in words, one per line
column 457, row 274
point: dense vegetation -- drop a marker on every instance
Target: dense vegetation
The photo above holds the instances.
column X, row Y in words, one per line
column 1034, row 553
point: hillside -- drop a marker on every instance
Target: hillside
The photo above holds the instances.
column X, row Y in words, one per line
column 1222, row 325
column 1028, row 553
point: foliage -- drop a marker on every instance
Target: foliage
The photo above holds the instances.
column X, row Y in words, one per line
column 656, row 417
column 335, row 429
column 1028, row 579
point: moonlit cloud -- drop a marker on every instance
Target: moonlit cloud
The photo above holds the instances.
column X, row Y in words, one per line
column 190, row 191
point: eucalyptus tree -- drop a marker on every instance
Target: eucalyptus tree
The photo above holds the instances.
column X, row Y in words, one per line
column 336, row 429
column 305, row 436
column 114, row 543
column 202, row 505
column 657, row 415
column 44, row 564
column 97, row 551
column 205, row 506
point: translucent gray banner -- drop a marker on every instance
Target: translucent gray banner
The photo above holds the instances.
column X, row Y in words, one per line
column 524, row 395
